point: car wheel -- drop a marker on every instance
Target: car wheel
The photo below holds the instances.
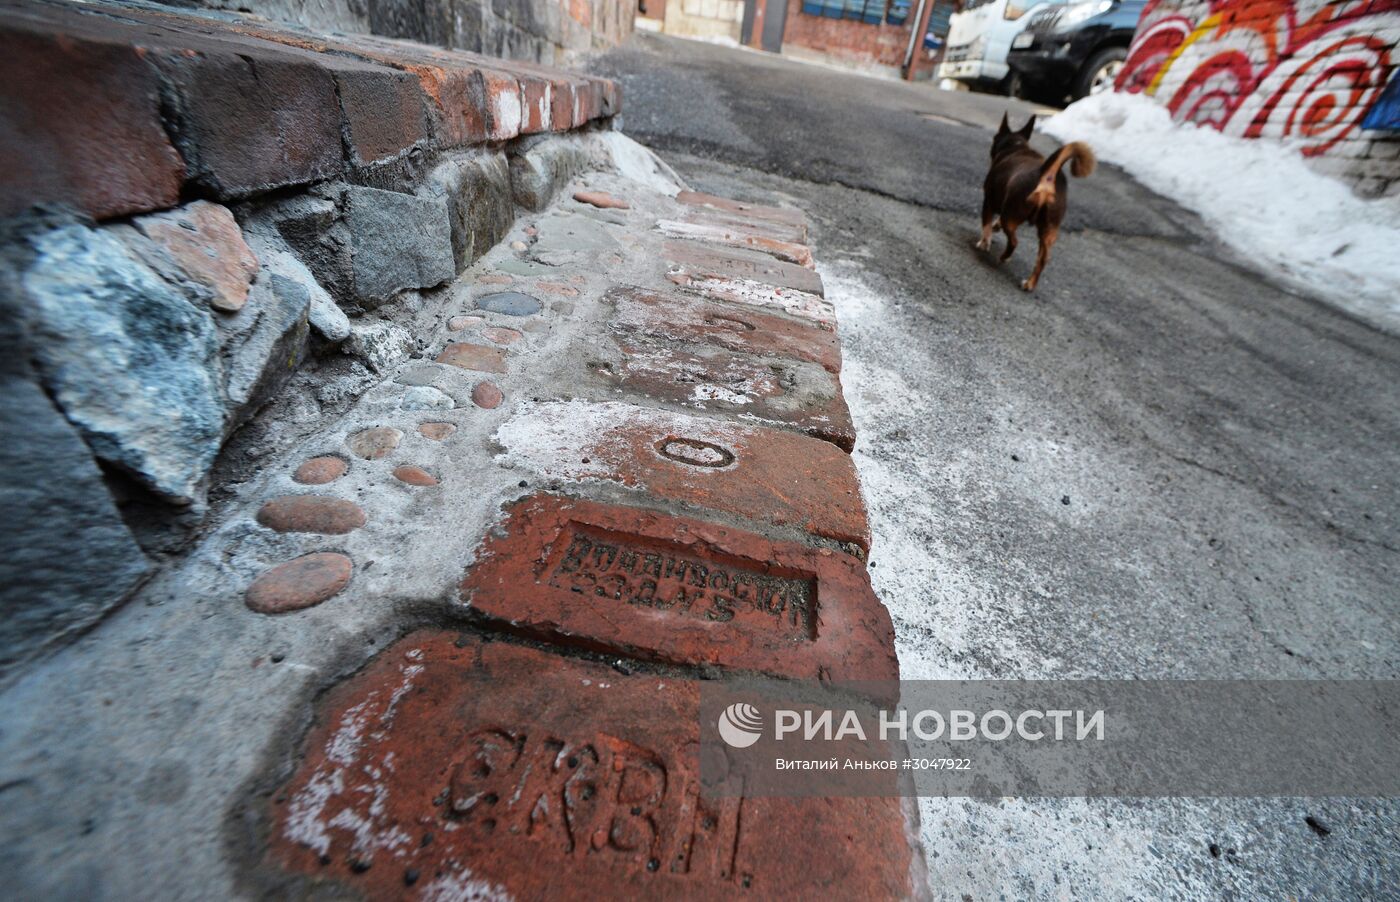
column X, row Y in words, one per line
column 1012, row 86
column 1100, row 72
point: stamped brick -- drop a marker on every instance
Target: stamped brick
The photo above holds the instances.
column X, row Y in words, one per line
column 735, row 236
column 681, row 591
column 704, row 377
column 738, row 328
column 455, row 768
column 700, row 261
column 763, row 474
column 474, row 357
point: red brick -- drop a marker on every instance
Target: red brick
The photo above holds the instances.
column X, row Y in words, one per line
column 772, row 228
column 474, row 357
column 698, row 260
column 382, row 108
column 248, row 116
column 733, row 236
column 767, row 475
column 458, row 768
column 756, row 294
column 80, row 124
column 705, row 377
column 737, row 328
column 300, row 583
column 680, row 591
column 752, row 211
column 320, row 470
column 311, row 513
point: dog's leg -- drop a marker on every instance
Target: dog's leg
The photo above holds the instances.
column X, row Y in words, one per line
column 990, row 220
column 1047, row 241
column 988, row 227
column 1010, row 229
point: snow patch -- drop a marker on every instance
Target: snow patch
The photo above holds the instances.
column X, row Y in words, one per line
column 638, row 163
column 1259, row 196
column 943, row 616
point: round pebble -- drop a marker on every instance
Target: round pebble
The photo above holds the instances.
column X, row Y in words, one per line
column 311, row 513
column 509, row 303
column 320, row 470
column 601, row 199
column 487, row 395
column 414, row 476
column 372, row 444
column 458, row 323
column 501, row 335
column 299, row 583
column 425, row 397
column 518, row 245
column 436, row 431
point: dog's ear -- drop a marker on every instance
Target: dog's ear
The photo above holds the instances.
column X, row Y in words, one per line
column 1029, row 127
column 1005, row 125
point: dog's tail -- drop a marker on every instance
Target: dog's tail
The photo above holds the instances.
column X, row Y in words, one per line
column 1082, row 164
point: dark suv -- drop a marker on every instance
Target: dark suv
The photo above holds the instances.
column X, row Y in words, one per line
column 1073, row 50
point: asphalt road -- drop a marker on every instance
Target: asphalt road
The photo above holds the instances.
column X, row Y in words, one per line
column 1161, row 465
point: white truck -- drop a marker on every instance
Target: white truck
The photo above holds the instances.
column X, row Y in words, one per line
column 979, row 37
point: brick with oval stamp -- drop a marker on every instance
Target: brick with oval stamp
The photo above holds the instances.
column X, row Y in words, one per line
column 679, row 590
column 773, row 477
column 456, row 768
column 736, row 327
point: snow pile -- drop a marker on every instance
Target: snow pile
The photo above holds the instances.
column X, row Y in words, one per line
column 637, row 162
column 1260, row 196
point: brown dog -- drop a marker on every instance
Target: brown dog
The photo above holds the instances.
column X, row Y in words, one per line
column 1022, row 186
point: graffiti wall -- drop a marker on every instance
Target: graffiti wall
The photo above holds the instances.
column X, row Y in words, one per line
column 1309, row 72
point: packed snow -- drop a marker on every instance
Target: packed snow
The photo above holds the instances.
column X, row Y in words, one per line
column 1260, row 197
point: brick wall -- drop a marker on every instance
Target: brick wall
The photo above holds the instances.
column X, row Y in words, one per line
column 197, row 209
column 847, row 39
column 1302, row 71
column 547, row 31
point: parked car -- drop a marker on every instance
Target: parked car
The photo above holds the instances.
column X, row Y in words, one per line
column 978, row 40
column 1073, row 50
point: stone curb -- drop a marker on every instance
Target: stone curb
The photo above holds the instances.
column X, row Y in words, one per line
column 115, row 109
